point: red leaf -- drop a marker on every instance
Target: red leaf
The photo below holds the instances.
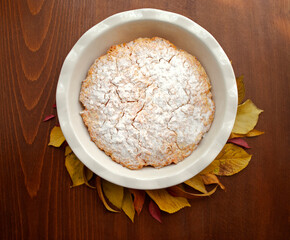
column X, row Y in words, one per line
column 240, row 142
column 48, row 117
column 139, row 198
column 54, row 106
column 155, row 211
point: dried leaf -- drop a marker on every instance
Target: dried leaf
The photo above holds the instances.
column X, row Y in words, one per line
column 56, row 137
column 241, row 89
column 88, row 174
column 212, row 168
column 240, row 142
column 127, row 205
column 179, row 192
column 212, row 179
column 67, row 150
column 166, row 202
column 76, row 171
column 48, row 118
column 231, row 160
column 247, row 117
column 101, row 195
column 196, row 183
column 155, row 211
column 114, row 193
column 139, row 198
column 252, row 133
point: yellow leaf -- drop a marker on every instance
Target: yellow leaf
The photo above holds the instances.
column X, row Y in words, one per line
column 101, row 195
column 128, row 205
column 67, row 150
column 76, row 170
column 196, row 183
column 231, row 160
column 235, row 135
column 213, row 167
column 179, row 192
column 241, row 89
column 88, row 174
column 114, row 193
column 252, row 133
column 247, row 117
column 212, row 179
column 56, row 137
column 166, row 202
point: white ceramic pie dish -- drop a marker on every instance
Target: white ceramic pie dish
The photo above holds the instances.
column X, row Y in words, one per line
column 124, row 27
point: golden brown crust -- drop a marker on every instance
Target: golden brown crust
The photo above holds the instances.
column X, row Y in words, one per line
column 134, row 102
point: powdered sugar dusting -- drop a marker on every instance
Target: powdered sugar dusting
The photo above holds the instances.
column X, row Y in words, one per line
column 147, row 103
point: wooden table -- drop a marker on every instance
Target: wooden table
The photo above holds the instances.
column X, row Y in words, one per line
column 36, row 201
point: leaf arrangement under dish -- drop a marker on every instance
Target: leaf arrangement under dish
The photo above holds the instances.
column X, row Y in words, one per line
column 232, row 159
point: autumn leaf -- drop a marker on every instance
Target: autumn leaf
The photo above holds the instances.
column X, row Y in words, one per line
column 252, row 133
column 88, row 174
column 114, row 193
column 102, row 197
column 155, row 211
column 241, row 89
column 247, row 117
column 76, row 170
column 48, row 118
column 231, row 160
column 212, row 179
column 179, row 192
column 196, row 183
column 240, row 142
column 166, row 202
column 139, row 198
column 56, row 137
column 67, row 150
column 127, row 205
column 212, row 168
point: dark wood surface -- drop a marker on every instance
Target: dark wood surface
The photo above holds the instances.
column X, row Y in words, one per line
column 36, row 201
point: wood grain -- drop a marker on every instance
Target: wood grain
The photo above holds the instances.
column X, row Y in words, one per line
column 36, row 201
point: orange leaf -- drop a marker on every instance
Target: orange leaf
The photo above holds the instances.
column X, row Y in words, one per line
column 179, row 192
column 102, row 197
column 139, row 198
column 252, row 133
column 211, row 179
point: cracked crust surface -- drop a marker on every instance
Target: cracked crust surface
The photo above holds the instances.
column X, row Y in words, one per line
column 147, row 103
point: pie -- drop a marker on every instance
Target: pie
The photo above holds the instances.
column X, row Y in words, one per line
column 147, row 103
